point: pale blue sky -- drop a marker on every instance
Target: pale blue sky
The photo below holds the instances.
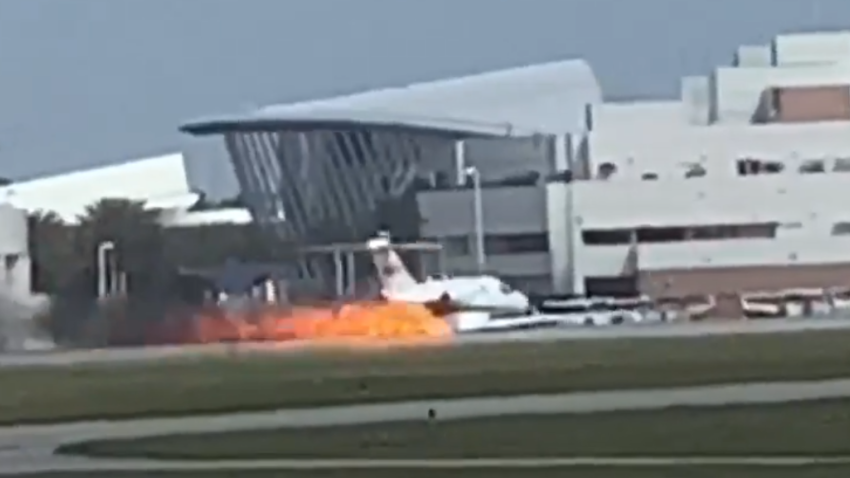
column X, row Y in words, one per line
column 88, row 82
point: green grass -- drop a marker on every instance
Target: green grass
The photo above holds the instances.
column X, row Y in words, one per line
column 824, row 471
column 812, row 428
column 212, row 385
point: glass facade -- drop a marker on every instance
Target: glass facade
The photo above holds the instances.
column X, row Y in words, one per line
column 325, row 186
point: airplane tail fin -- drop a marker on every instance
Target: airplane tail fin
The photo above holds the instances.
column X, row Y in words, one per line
column 394, row 276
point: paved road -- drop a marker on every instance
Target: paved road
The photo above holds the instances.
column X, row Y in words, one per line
column 28, row 448
column 59, row 358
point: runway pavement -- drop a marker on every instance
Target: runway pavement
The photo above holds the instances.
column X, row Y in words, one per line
column 693, row 329
column 29, row 448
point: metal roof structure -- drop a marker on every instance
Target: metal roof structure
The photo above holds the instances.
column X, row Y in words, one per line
column 336, row 169
column 524, row 100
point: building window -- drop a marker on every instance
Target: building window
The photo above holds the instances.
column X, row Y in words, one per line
column 841, row 165
column 695, row 170
column 610, row 237
column 606, row 171
column 606, row 237
column 841, row 229
column 455, row 246
column 661, row 234
column 747, row 167
column 516, row 243
column 813, row 166
column 750, row 166
column 772, row 167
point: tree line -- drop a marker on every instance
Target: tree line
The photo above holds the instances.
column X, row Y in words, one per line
column 64, row 264
column 154, row 259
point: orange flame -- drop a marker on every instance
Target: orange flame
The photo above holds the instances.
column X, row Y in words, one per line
column 352, row 323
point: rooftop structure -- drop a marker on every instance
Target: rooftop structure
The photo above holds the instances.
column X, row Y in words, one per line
column 160, row 182
column 577, row 194
column 337, row 170
column 737, row 186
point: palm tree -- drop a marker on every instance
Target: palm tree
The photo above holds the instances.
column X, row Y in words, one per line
column 133, row 229
column 51, row 249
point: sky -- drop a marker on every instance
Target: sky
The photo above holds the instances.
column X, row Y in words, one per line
column 85, row 83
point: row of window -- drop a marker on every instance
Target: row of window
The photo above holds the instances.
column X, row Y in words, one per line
column 744, row 167
column 441, row 181
column 607, row 171
column 610, row 237
column 497, row 244
column 751, row 166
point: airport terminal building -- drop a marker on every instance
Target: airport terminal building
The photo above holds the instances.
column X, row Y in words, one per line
column 738, row 184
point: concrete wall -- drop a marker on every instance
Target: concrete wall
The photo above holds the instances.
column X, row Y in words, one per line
column 735, row 280
column 814, row 48
column 732, row 94
column 748, row 56
column 696, row 100
column 815, row 201
column 642, row 115
column 506, row 210
column 805, row 250
column 737, row 91
column 449, row 216
column 563, row 236
column 669, row 152
column 813, row 221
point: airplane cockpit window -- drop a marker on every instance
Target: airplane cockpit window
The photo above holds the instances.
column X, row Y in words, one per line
column 505, row 288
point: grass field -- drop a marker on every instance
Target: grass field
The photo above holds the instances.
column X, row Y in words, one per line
column 824, row 471
column 813, row 428
column 212, row 385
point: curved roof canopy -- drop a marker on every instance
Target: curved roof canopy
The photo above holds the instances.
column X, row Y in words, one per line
column 544, row 98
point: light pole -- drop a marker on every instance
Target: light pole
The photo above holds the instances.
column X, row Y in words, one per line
column 103, row 268
column 478, row 206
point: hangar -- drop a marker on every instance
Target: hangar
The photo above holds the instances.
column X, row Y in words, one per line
column 575, row 194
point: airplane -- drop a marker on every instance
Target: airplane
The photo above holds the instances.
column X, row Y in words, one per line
column 467, row 302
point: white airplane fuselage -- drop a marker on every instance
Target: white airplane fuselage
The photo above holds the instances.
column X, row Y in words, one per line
column 462, row 294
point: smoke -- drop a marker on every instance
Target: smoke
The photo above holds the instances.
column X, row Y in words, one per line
column 19, row 328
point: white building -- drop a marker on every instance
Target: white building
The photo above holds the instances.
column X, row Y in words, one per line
column 160, row 182
column 742, row 173
column 738, row 185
